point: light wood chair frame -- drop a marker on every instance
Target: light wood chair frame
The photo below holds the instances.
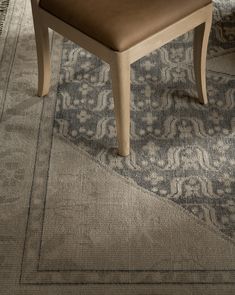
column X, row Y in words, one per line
column 120, row 62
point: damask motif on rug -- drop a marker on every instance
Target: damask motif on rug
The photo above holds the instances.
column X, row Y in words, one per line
column 181, row 150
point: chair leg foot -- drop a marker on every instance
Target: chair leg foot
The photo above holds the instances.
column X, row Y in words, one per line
column 201, row 38
column 120, row 73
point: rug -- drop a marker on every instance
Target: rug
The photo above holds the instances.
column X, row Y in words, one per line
column 181, row 151
column 77, row 219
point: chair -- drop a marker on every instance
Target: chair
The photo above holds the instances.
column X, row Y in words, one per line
column 121, row 32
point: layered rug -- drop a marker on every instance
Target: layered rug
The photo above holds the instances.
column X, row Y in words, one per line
column 75, row 218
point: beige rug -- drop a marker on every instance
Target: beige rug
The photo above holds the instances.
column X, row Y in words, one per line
column 70, row 225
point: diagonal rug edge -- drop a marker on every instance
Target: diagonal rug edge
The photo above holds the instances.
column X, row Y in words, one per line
column 149, row 193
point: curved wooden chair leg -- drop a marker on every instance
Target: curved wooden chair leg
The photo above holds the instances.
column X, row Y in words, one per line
column 201, row 38
column 43, row 53
column 120, row 73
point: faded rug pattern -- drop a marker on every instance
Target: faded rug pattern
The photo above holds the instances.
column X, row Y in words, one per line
column 77, row 219
column 181, row 150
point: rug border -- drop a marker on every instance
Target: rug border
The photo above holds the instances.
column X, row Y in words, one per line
column 31, row 275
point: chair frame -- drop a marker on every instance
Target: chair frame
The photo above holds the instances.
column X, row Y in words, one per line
column 120, row 62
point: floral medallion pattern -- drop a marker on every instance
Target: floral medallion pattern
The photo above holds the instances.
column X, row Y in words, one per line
column 181, row 150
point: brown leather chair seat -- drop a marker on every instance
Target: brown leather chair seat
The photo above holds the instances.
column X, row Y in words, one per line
column 120, row 24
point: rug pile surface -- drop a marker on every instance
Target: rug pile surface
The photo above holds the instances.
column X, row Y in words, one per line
column 77, row 219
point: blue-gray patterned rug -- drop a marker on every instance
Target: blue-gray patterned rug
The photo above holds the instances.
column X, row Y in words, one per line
column 181, row 150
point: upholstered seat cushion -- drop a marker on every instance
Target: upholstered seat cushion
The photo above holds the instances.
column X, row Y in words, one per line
column 120, row 24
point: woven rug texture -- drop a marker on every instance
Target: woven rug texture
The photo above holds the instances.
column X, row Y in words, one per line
column 75, row 218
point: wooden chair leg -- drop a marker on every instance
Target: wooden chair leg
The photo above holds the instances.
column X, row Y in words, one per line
column 43, row 55
column 201, row 38
column 120, row 73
